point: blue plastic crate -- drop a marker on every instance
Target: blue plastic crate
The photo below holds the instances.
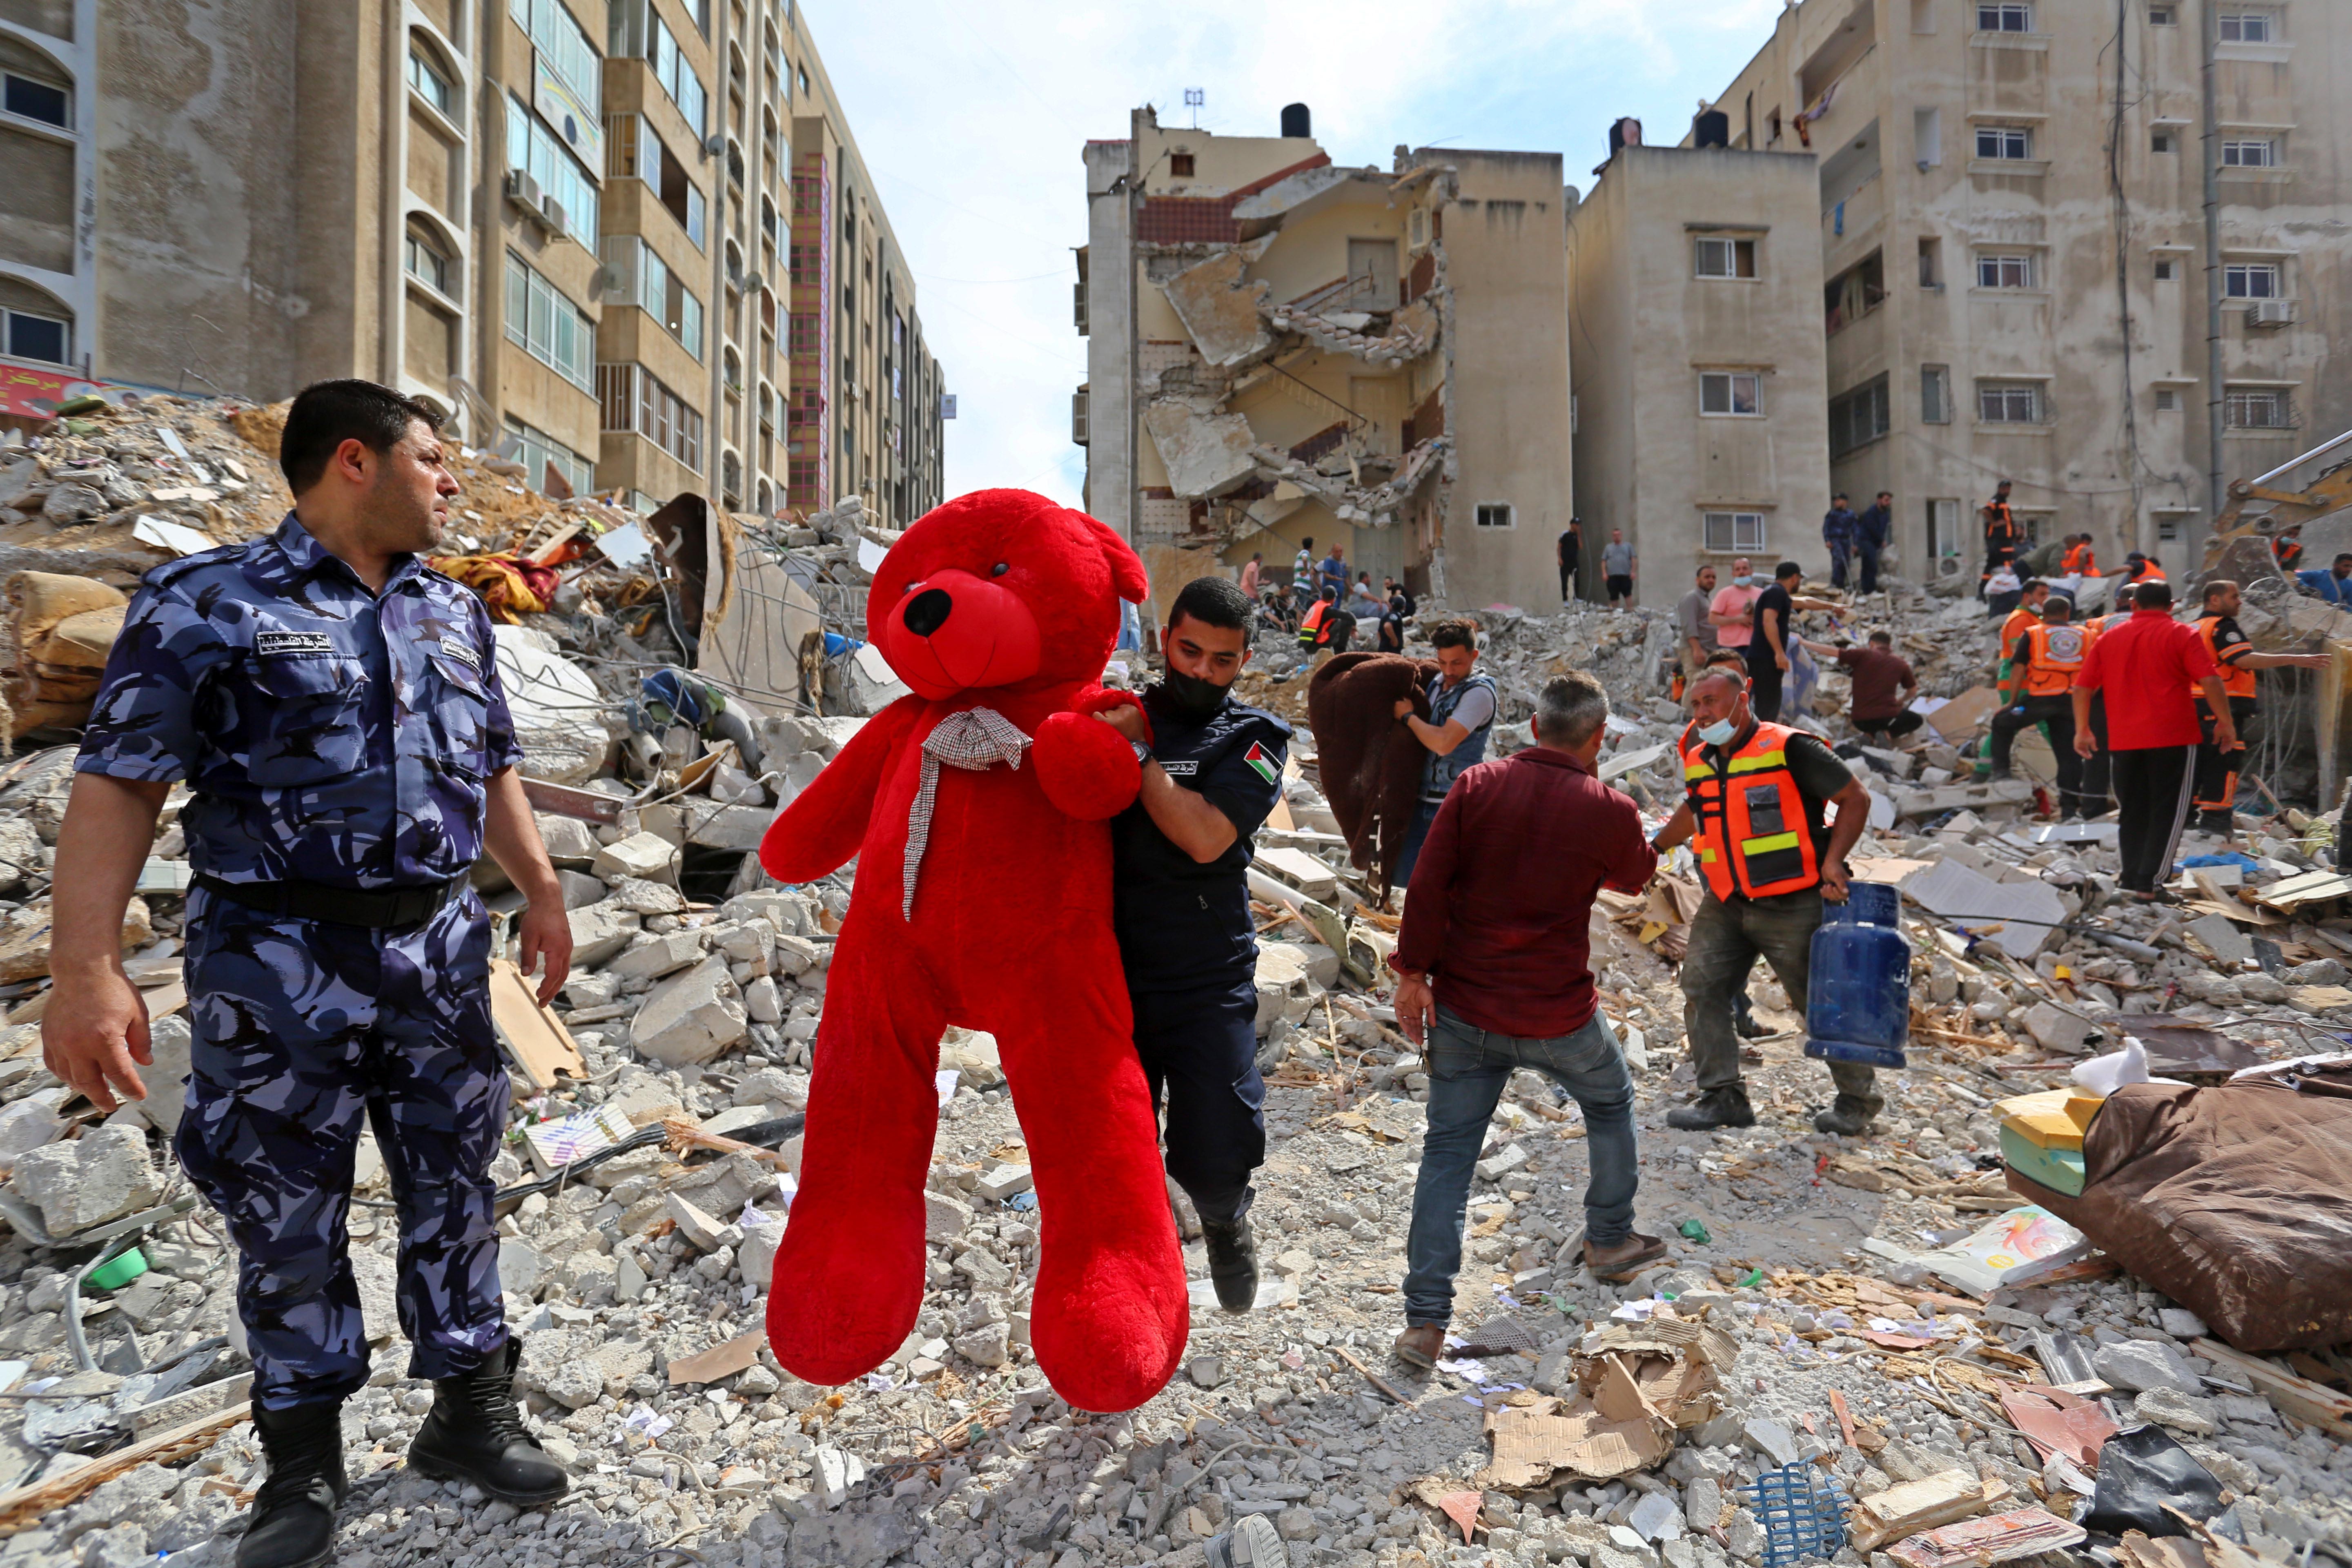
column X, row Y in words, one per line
column 1802, row 1511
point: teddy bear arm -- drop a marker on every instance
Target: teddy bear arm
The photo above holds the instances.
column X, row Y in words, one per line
column 825, row 824
column 1087, row 768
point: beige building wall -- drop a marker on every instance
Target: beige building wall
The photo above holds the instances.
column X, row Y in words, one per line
column 1912, row 205
column 1690, row 487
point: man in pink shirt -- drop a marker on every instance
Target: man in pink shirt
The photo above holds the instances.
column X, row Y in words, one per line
column 2152, row 669
column 1250, row 570
column 1733, row 611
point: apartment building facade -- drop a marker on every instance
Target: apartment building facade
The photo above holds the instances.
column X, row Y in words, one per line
column 563, row 222
column 1280, row 348
column 2002, row 298
column 1698, row 366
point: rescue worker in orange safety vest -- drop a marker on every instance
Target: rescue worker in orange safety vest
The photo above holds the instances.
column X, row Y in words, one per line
column 2080, row 561
column 2044, row 660
column 1754, row 800
column 2137, row 567
column 2216, row 787
column 2027, row 613
column 1326, row 625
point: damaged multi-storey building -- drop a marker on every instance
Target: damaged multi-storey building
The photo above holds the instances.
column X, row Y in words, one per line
column 1281, row 348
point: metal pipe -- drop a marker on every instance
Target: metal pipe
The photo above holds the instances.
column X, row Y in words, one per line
column 2209, row 27
column 2294, row 463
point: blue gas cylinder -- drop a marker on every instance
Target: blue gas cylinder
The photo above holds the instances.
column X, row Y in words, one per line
column 1858, row 1003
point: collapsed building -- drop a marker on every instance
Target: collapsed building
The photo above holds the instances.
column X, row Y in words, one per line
column 1281, row 348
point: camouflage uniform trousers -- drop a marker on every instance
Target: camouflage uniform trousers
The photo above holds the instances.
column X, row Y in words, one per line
column 301, row 1028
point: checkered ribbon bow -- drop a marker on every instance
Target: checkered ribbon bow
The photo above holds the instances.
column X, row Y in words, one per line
column 973, row 739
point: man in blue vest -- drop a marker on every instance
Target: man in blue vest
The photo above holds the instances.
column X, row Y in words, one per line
column 1461, row 715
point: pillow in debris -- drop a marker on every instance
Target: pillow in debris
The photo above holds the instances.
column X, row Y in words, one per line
column 2231, row 1200
column 1369, row 764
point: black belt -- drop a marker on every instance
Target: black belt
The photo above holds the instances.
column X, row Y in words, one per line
column 385, row 907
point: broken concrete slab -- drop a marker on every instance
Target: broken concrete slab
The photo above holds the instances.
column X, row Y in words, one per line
column 1204, row 454
column 690, row 1017
column 647, row 856
column 600, row 931
column 102, row 1175
column 1222, row 310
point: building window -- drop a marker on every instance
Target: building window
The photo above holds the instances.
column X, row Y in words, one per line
column 537, row 151
column 45, row 102
column 2250, row 280
column 2161, row 142
column 1725, row 258
column 2005, row 271
column 2167, row 400
column 561, row 43
column 2169, row 527
column 1495, row 515
column 2004, row 17
column 1078, row 417
column 550, row 328
column 427, row 265
column 2256, row 408
column 2247, row 27
column 2004, row 141
column 1730, row 392
column 2159, row 16
column 1931, row 262
column 629, row 397
column 1732, row 533
column 1935, row 394
column 24, row 335
column 1860, row 416
column 646, row 281
column 2009, row 403
column 2257, row 152
column 2166, row 269
column 1181, row 164
column 536, row 450
column 429, row 83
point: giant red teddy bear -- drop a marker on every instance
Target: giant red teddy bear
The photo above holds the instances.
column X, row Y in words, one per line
column 978, row 810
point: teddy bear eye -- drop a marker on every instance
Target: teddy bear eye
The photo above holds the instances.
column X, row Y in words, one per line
column 1000, row 569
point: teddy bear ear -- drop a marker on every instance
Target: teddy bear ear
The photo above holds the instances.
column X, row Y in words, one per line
column 1127, row 574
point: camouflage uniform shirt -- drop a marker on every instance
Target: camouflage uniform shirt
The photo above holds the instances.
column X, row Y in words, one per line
column 330, row 734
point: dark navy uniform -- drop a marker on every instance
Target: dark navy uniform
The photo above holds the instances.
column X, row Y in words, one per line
column 1190, row 947
column 339, row 743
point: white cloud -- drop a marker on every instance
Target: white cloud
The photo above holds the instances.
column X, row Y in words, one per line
column 971, row 117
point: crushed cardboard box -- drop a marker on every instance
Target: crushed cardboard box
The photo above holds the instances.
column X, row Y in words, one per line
column 1637, row 1386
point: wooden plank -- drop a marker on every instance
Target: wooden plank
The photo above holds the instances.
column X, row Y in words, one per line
column 2296, row 1396
column 28, row 1506
column 534, row 1037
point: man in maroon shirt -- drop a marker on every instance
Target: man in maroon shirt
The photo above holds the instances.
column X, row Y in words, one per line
column 2151, row 668
column 1494, row 959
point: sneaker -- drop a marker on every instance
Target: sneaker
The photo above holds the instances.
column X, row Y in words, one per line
column 1849, row 1117
column 1726, row 1106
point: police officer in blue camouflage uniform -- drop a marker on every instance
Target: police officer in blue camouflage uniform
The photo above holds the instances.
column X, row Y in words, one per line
column 334, row 707
column 1180, row 905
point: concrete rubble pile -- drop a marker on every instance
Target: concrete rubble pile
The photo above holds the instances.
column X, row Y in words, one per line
column 1795, row 1322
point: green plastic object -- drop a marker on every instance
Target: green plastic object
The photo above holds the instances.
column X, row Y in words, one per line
column 117, row 1272
column 1755, row 1278
column 1694, row 1231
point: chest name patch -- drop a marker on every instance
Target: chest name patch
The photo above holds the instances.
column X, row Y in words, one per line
column 291, row 644
column 1181, row 768
column 462, row 654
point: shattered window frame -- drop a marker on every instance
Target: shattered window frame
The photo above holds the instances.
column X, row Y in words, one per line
column 1738, row 532
column 2011, row 403
column 1735, row 258
column 1723, row 387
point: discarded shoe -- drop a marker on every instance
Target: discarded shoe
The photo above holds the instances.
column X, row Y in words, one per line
column 1420, row 1345
column 1628, row 1258
column 293, row 1520
column 1253, row 1542
column 1849, row 1117
column 1726, row 1106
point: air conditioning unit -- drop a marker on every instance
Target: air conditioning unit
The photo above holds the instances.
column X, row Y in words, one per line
column 552, row 213
column 524, row 190
column 2270, row 313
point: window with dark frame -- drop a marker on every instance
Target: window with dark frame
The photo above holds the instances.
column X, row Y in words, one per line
column 1181, row 164
column 25, row 335
column 33, row 99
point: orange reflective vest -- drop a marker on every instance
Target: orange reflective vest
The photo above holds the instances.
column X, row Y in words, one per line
column 2080, row 563
column 1310, row 626
column 1751, row 830
column 2149, row 572
column 2236, row 681
column 2053, row 653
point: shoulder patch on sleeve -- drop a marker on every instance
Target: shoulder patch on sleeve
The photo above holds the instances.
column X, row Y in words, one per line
column 1263, row 762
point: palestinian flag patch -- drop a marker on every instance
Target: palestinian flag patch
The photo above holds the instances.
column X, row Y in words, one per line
column 1258, row 757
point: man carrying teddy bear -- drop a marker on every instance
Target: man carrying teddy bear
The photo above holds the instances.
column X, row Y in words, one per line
column 1180, row 855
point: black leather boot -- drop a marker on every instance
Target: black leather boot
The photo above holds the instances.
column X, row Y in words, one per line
column 1232, row 1261
column 474, row 1433
column 293, row 1520
column 1725, row 1106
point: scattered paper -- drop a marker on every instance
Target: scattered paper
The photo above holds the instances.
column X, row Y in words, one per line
column 555, row 1144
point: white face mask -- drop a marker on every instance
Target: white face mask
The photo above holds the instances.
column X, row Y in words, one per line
column 1716, row 733
column 1743, row 580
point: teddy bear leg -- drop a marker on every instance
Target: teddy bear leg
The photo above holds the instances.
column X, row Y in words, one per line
column 848, row 1278
column 1109, row 1316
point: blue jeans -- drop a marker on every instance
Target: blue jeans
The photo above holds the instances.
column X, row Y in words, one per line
column 1467, row 1069
column 1423, row 814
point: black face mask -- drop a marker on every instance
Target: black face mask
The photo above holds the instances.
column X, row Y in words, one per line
column 1190, row 696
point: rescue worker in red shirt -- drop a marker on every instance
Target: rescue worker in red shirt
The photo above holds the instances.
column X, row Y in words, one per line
column 2216, row 770
column 2045, row 659
column 1753, row 811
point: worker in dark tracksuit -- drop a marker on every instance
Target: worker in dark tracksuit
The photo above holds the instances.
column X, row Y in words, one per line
column 1179, row 890
column 334, row 705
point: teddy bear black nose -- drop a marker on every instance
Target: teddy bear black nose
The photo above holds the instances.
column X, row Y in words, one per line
column 927, row 611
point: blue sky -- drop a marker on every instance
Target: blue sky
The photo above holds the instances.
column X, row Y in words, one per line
column 971, row 117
